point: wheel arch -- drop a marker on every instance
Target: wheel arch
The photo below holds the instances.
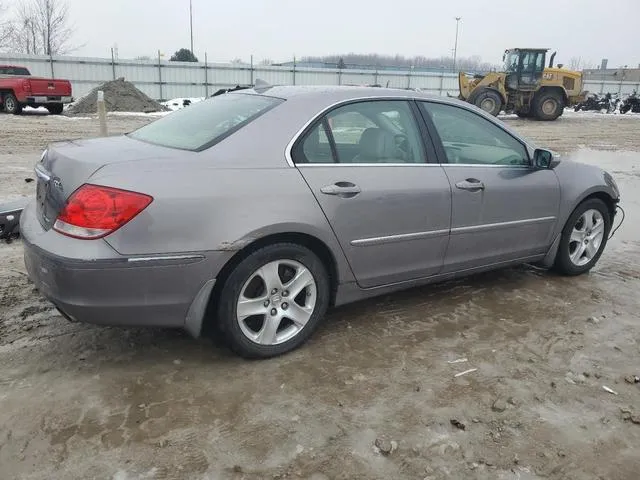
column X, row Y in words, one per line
column 554, row 89
column 313, row 243
column 603, row 195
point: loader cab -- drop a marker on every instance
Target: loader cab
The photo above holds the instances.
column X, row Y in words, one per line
column 524, row 67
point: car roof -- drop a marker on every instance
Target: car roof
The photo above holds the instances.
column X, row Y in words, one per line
column 335, row 93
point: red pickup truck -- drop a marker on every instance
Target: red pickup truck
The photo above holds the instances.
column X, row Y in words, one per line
column 19, row 89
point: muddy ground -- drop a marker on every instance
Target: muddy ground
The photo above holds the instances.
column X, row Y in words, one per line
column 79, row 401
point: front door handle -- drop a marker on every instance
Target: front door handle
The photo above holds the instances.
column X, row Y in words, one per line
column 471, row 185
column 341, row 189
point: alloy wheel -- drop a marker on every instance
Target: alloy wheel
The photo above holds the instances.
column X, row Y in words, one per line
column 276, row 302
column 586, row 237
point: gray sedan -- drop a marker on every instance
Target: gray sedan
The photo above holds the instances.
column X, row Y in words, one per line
column 255, row 211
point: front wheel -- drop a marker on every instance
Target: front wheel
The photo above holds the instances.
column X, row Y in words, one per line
column 488, row 100
column 583, row 238
column 273, row 300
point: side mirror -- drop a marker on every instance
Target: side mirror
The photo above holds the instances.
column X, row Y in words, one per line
column 545, row 158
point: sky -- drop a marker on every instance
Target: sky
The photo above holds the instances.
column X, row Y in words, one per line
column 279, row 29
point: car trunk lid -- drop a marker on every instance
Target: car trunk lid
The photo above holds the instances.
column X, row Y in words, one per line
column 66, row 166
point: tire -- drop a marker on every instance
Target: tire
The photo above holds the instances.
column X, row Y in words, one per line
column 564, row 262
column 548, row 106
column 11, row 104
column 488, row 100
column 55, row 109
column 249, row 337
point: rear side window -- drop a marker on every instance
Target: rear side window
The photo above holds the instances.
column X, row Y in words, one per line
column 21, row 71
column 205, row 123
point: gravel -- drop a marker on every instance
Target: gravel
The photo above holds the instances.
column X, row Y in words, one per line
column 119, row 96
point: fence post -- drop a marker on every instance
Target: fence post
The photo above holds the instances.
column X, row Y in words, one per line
column 113, row 64
column 160, row 75
column 251, row 71
column 441, row 92
column 294, row 70
column 53, row 75
column 206, row 76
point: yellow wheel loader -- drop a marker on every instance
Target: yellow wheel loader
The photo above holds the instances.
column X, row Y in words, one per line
column 525, row 86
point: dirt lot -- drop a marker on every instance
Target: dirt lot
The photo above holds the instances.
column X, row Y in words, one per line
column 79, row 401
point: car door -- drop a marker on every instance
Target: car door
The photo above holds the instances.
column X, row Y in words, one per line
column 390, row 209
column 503, row 208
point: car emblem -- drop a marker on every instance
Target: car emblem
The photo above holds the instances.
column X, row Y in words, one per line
column 57, row 183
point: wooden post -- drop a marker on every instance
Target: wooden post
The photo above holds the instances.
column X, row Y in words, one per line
column 102, row 114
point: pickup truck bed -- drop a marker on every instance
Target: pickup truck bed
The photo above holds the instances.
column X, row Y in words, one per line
column 19, row 89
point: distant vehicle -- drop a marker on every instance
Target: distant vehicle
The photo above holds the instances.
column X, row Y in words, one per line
column 18, row 89
column 595, row 102
column 631, row 104
column 256, row 210
column 524, row 86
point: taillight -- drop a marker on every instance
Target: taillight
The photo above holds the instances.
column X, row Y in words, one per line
column 26, row 85
column 94, row 211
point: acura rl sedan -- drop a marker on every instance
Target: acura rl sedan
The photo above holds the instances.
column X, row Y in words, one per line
column 257, row 210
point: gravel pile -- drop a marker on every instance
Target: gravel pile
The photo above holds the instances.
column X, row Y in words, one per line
column 119, row 96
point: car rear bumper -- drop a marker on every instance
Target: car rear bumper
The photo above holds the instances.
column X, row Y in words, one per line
column 90, row 282
column 43, row 99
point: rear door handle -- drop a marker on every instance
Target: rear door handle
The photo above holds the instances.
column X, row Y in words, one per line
column 471, row 185
column 341, row 189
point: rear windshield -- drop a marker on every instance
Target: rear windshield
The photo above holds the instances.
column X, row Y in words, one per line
column 23, row 72
column 205, row 123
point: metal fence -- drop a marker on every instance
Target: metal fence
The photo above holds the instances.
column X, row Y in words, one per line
column 621, row 88
column 161, row 79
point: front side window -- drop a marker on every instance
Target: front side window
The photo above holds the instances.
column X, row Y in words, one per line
column 374, row 132
column 469, row 138
column 204, row 123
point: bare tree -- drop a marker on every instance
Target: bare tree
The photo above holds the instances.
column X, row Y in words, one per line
column 6, row 27
column 43, row 27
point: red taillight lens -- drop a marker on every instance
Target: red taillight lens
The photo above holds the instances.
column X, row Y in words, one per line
column 26, row 85
column 94, row 211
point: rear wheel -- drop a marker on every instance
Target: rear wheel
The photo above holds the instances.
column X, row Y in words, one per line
column 11, row 104
column 583, row 238
column 55, row 109
column 548, row 106
column 488, row 100
column 273, row 300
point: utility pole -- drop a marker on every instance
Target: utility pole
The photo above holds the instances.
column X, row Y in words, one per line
column 455, row 48
column 191, row 23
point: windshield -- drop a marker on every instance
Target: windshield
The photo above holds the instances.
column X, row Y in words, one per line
column 205, row 123
column 511, row 62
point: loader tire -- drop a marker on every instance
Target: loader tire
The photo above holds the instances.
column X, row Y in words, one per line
column 548, row 106
column 488, row 100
